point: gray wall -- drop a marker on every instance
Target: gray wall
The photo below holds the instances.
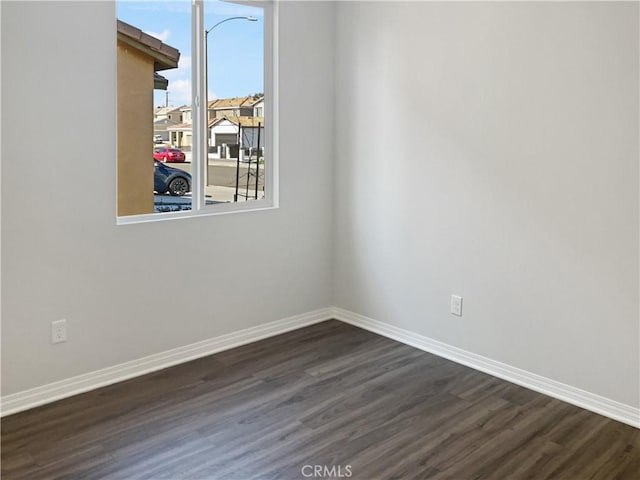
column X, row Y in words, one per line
column 131, row 291
column 491, row 150
column 484, row 149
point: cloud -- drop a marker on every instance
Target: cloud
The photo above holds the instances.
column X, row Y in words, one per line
column 182, row 72
column 180, row 92
column 160, row 36
column 179, row 82
column 179, row 87
column 184, row 64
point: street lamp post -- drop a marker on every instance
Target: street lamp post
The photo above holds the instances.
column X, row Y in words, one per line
column 206, row 56
column 251, row 19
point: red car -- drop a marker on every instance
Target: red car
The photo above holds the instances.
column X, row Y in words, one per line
column 168, row 155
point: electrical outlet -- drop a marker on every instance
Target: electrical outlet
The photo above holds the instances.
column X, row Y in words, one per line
column 456, row 305
column 59, row 331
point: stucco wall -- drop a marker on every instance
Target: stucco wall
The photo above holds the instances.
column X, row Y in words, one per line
column 135, row 131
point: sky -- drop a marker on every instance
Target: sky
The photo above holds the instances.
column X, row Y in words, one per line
column 235, row 48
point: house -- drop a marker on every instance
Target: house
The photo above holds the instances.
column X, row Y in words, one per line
column 181, row 134
column 234, row 107
column 480, row 152
column 163, row 118
column 242, row 131
column 160, row 129
column 258, row 108
column 172, row 113
column 140, row 56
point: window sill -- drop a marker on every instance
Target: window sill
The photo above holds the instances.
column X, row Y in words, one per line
column 221, row 209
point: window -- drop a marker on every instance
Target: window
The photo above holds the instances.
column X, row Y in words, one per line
column 195, row 91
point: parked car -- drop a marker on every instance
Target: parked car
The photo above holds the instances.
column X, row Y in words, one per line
column 170, row 179
column 169, row 155
column 158, row 139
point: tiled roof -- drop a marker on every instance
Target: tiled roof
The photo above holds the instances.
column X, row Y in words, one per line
column 165, row 56
column 166, row 110
column 244, row 121
column 221, row 103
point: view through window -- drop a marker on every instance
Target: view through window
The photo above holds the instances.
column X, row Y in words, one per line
column 156, row 156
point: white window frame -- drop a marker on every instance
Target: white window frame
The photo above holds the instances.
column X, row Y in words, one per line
column 199, row 122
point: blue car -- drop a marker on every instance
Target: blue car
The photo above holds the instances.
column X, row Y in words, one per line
column 170, row 179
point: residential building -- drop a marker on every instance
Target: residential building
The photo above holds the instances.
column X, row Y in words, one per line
column 231, row 130
column 234, row 107
column 172, row 113
column 139, row 57
column 163, row 118
column 244, row 108
column 180, row 135
column 258, row 108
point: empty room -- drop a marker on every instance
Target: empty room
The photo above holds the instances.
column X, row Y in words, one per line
column 376, row 240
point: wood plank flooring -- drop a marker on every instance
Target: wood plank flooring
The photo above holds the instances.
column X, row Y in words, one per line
column 349, row 403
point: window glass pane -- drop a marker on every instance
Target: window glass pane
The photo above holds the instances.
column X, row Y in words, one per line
column 155, row 154
column 154, row 106
column 236, row 123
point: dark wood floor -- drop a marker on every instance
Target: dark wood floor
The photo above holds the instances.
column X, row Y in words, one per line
column 327, row 395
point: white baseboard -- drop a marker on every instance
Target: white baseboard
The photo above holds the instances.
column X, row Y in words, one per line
column 89, row 381
column 83, row 383
column 589, row 401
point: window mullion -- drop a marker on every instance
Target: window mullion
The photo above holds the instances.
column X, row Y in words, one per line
column 199, row 105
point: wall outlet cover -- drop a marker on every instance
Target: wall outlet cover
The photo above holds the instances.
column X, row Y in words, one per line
column 59, row 331
column 456, row 305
